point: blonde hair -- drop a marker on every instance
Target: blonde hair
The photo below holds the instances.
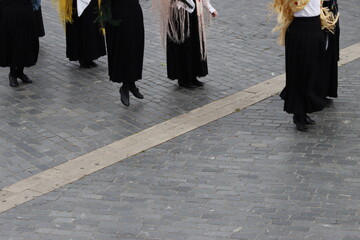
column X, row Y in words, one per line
column 65, row 10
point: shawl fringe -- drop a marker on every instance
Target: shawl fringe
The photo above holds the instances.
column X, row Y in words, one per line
column 174, row 22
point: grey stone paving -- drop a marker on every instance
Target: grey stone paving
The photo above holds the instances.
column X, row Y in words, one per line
column 247, row 176
column 68, row 111
column 250, row 175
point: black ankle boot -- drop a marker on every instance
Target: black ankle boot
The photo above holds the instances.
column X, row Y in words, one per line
column 328, row 101
column 299, row 121
column 84, row 64
column 309, row 121
column 24, row 78
column 197, row 83
column 186, row 84
column 124, row 95
column 13, row 80
column 135, row 91
column 92, row 64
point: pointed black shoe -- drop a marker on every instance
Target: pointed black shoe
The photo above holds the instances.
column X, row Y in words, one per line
column 197, row 83
column 300, row 125
column 124, row 96
column 24, row 78
column 309, row 121
column 135, row 91
column 188, row 84
column 84, row 64
column 13, row 81
column 328, row 101
column 92, row 64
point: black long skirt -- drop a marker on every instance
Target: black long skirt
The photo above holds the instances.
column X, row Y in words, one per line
column 125, row 42
column 331, row 63
column 304, row 56
column 19, row 42
column 184, row 60
column 40, row 22
column 84, row 40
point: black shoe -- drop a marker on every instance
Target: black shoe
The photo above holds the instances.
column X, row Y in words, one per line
column 328, row 101
column 188, row 84
column 92, row 64
column 124, row 96
column 13, row 80
column 300, row 125
column 24, row 78
column 309, row 121
column 135, row 91
column 84, row 64
column 196, row 82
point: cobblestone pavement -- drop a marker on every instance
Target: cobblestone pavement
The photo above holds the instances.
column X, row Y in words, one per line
column 250, row 175
column 68, row 111
column 247, row 176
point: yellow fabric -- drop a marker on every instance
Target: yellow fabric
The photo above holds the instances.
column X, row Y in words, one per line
column 285, row 10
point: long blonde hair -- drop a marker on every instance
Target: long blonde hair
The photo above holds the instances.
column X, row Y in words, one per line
column 284, row 18
column 65, row 9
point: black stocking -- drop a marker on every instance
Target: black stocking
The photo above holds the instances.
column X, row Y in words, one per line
column 20, row 71
column 126, row 85
column 300, row 118
column 13, row 71
column 17, row 71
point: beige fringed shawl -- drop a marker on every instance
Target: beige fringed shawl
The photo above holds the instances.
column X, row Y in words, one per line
column 286, row 9
column 174, row 22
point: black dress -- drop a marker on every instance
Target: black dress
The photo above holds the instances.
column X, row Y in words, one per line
column 184, row 60
column 84, row 40
column 125, row 41
column 19, row 42
column 332, row 55
column 304, row 57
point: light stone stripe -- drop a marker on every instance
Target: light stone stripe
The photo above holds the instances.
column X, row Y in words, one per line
column 49, row 180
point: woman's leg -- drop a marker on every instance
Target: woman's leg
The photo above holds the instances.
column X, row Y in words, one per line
column 13, row 77
column 124, row 94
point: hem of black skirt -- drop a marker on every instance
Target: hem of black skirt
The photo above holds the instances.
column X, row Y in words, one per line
column 28, row 65
column 308, row 111
column 115, row 81
column 177, row 78
column 77, row 59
